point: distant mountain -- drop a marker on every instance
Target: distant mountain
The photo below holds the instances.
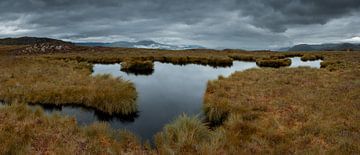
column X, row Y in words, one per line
column 325, row 47
column 283, row 49
column 30, row 41
column 149, row 44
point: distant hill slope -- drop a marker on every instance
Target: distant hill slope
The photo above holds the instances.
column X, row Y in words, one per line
column 30, row 41
column 325, row 47
column 141, row 44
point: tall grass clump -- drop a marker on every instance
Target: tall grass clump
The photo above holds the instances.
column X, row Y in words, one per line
column 137, row 66
column 275, row 63
column 183, row 136
column 42, row 81
column 216, row 111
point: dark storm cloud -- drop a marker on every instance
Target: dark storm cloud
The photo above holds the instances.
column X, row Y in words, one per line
column 228, row 23
column 278, row 14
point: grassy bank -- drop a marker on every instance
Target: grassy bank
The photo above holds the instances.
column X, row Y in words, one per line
column 24, row 131
column 301, row 111
column 43, row 81
column 289, row 110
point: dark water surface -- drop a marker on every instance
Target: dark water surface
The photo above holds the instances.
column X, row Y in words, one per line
column 162, row 96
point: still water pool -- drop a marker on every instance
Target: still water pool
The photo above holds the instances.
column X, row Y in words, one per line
column 168, row 92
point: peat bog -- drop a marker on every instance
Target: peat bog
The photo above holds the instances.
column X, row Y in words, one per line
column 168, row 92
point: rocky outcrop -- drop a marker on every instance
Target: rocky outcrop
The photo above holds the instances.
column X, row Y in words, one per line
column 45, row 48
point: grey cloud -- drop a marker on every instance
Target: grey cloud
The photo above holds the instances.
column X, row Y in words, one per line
column 277, row 15
column 232, row 23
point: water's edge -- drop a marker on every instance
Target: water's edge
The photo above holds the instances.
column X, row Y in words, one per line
column 168, row 92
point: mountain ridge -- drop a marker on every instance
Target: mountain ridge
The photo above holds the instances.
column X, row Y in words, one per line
column 323, row 47
column 150, row 44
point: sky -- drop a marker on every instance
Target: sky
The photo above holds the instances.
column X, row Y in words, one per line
column 243, row 24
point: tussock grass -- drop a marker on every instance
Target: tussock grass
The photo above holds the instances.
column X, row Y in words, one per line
column 329, row 64
column 261, row 111
column 214, row 61
column 42, row 81
column 137, row 67
column 213, row 58
column 250, row 58
column 276, row 63
column 25, row 131
column 288, row 110
column 183, row 136
column 311, row 57
column 292, row 54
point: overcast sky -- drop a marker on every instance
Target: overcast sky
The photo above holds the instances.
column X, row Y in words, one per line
column 246, row 24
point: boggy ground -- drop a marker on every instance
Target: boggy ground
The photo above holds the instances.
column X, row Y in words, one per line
column 42, row 81
column 25, row 131
column 272, row 111
column 289, row 110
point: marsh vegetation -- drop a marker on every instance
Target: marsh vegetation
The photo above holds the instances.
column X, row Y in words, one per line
column 42, row 81
column 26, row 131
column 138, row 67
column 311, row 57
column 302, row 110
column 258, row 111
column 273, row 62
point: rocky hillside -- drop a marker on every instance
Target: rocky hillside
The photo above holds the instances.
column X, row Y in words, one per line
column 30, row 41
column 33, row 45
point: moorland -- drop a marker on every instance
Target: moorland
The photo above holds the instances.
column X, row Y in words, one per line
column 269, row 110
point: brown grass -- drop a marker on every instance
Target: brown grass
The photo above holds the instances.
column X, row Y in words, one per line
column 311, row 57
column 261, row 111
column 183, row 136
column 289, row 110
column 137, row 66
column 24, row 131
column 273, row 62
column 41, row 81
column 116, row 55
